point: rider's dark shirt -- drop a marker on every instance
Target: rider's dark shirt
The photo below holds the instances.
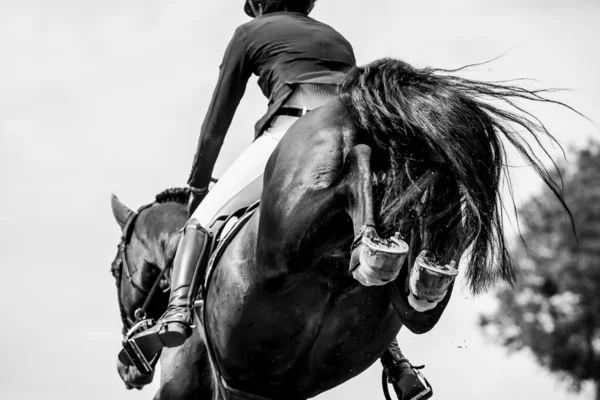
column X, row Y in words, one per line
column 283, row 49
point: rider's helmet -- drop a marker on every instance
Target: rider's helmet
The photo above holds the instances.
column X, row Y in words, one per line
column 303, row 6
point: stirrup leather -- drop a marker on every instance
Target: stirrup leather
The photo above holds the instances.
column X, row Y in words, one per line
column 135, row 353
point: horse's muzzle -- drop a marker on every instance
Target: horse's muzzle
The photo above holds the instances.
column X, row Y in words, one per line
column 375, row 261
column 132, row 377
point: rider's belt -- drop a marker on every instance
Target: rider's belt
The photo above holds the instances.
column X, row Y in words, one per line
column 290, row 112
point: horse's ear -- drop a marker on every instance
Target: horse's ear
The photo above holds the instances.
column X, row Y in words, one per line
column 120, row 211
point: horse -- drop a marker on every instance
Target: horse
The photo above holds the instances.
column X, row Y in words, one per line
column 369, row 204
column 294, row 306
column 148, row 244
column 142, row 270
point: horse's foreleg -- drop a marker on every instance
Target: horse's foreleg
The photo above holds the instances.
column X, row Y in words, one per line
column 416, row 321
column 374, row 261
column 185, row 372
column 357, row 187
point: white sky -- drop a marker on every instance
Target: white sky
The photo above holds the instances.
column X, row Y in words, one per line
column 101, row 97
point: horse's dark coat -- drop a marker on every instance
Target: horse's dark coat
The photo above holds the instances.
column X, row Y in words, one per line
column 185, row 372
column 286, row 318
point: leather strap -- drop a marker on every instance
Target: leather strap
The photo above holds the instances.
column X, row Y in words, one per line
column 140, row 313
column 290, row 112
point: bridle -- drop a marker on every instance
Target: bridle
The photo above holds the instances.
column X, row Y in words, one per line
column 120, row 264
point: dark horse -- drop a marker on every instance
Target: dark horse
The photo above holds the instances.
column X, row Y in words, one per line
column 142, row 269
column 307, row 294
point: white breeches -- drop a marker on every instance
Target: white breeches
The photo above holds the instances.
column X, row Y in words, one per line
column 242, row 183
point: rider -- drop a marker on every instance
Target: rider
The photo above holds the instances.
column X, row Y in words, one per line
column 299, row 62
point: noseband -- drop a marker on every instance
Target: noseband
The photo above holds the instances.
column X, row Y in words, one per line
column 121, row 264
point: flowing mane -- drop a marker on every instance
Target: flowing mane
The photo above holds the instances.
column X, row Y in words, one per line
column 425, row 120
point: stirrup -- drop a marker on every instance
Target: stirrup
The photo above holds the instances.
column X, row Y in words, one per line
column 425, row 394
column 135, row 353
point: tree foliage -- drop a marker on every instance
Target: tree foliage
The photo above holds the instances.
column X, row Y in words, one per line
column 554, row 309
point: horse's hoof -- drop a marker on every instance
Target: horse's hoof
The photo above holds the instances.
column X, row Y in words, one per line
column 429, row 281
column 378, row 261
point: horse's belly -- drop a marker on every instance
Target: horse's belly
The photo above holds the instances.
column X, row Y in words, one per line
column 303, row 341
column 294, row 334
column 352, row 336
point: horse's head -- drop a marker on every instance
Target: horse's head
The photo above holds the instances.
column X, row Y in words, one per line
column 148, row 242
column 438, row 159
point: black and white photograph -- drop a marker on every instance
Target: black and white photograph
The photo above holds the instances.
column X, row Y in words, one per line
column 297, row 199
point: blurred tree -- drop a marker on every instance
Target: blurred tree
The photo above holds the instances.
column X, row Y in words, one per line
column 554, row 309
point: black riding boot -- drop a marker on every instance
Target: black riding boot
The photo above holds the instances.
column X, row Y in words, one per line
column 408, row 383
column 174, row 327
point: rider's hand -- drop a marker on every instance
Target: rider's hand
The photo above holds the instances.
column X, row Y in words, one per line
column 196, row 197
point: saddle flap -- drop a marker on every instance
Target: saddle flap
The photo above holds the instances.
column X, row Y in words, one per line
column 224, row 234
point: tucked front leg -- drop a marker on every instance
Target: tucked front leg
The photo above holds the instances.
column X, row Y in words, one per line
column 375, row 261
column 416, row 321
column 429, row 282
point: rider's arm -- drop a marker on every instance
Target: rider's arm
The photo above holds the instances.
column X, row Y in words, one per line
column 233, row 77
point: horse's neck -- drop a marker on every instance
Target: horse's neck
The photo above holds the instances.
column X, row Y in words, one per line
column 162, row 233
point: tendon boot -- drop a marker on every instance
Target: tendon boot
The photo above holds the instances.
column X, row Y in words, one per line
column 174, row 327
column 407, row 381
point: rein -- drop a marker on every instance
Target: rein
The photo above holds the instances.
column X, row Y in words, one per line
column 122, row 264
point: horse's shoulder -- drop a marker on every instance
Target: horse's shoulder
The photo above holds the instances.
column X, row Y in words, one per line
column 327, row 130
column 334, row 116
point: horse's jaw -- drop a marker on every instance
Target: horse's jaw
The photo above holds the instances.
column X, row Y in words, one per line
column 132, row 378
column 376, row 262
